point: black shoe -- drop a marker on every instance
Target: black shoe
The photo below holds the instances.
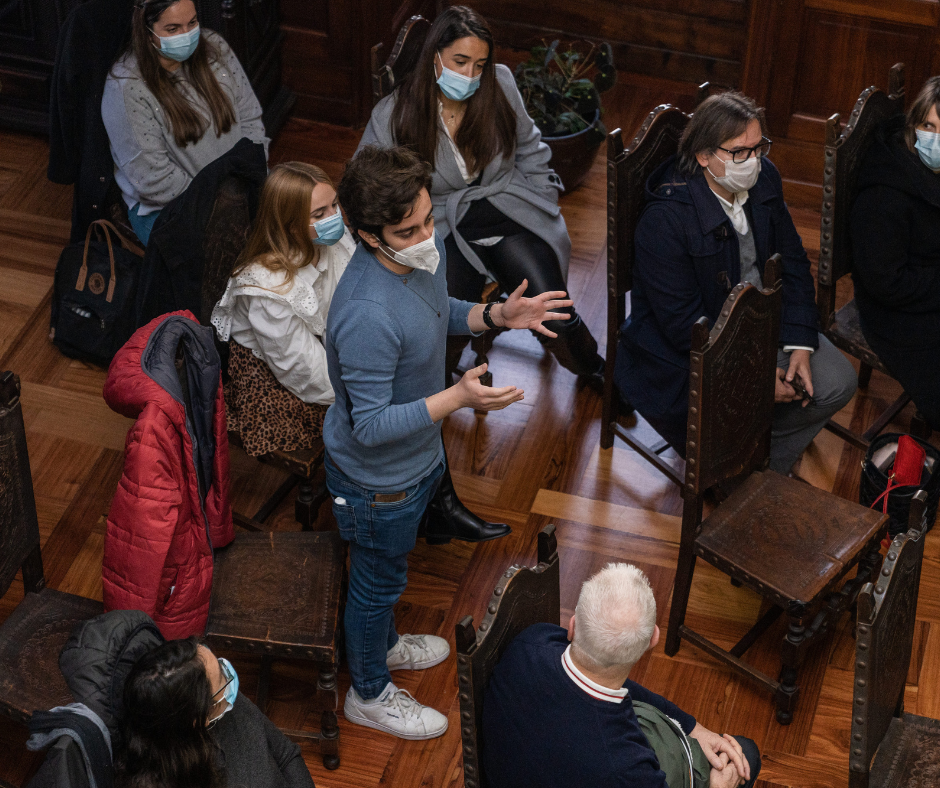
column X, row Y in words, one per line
column 447, row 518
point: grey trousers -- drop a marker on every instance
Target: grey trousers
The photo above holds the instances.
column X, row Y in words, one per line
column 794, row 427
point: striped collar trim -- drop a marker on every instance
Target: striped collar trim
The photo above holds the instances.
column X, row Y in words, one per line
column 592, row 688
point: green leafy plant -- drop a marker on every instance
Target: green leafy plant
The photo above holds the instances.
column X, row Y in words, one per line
column 561, row 88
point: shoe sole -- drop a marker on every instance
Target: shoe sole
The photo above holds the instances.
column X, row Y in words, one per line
column 422, row 666
column 436, row 540
column 367, row 723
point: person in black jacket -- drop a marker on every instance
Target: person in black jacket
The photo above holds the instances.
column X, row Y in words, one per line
column 895, row 226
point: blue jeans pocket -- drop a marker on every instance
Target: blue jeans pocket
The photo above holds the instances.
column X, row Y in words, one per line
column 346, row 520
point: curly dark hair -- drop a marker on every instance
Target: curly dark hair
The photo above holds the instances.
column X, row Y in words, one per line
column 165, row 738
column 380, row 186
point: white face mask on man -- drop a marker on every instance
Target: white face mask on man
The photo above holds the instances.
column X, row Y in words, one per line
column 740, row 176
column 423, row 256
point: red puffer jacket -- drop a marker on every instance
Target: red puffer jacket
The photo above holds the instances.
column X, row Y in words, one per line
column 161, row 530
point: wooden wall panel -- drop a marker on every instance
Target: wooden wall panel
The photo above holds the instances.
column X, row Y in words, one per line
column 694, row 41
column 807, row 59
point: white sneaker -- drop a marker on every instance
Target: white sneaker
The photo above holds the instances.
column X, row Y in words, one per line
column 395, row 711
column 417, row 652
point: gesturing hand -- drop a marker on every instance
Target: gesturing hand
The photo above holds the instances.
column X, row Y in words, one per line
column 474, row 394
column 520, row 312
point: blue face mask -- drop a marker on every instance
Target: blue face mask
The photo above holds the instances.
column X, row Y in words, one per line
column 329, row 230
column 456, row 86
column 231, row 688
column 181, row 47
column 928, row 146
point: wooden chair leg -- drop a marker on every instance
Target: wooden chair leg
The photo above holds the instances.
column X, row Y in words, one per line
column 310, row 498
column 791, row 656
column 329, row 739
column 481, row 347
column 864, row 374
column 680, row 598
column 919, row 427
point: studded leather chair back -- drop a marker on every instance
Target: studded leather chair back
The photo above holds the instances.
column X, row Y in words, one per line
column 404, row 57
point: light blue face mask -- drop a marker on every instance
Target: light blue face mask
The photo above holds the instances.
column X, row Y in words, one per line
column 928, row 146
column 181, row 47
column 329, row 230
column 456, row 86
column 231, row 688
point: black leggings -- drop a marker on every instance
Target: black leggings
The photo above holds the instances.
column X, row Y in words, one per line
column 517, row 257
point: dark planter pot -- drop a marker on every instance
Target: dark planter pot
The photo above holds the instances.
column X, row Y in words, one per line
column 573, row 154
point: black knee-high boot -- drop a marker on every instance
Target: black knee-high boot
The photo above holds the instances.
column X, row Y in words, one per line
column 447, row 518
column 575, row 349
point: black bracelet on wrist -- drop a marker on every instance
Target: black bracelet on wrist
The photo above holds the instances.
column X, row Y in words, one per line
column 486, row 316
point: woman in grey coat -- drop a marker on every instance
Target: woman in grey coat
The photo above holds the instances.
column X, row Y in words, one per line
column 495, row 196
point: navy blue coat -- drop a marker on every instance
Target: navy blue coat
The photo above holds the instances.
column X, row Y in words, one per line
column 687, row 261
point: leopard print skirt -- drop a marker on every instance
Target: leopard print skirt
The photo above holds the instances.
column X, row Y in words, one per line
column 264, row 413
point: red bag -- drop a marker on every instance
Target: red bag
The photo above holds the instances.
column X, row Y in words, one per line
column 907, row 469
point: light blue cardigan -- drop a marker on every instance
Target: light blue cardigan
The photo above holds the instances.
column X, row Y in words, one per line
column 524, row 188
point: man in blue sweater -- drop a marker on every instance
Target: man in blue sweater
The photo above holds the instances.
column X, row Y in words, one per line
column 385, row 341
column 559, row 708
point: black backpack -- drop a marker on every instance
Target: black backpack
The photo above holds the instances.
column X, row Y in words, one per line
column 93, row 312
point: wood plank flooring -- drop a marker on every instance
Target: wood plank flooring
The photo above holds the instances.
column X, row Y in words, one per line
column 536, row 462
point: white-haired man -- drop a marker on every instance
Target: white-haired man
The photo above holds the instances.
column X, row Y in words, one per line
column 560, row 713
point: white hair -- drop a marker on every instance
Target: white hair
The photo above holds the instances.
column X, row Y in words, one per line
column 614, row 618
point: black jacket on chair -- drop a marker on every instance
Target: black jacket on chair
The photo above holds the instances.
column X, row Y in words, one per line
column 175, row 259
column 89, row 42
column 896, row 245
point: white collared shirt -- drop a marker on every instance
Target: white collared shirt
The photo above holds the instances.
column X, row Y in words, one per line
column 592, row 688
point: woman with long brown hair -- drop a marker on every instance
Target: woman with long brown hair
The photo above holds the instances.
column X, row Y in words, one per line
column 273, row 315
column 274, row 310
column 176, row 100
column 495, row 196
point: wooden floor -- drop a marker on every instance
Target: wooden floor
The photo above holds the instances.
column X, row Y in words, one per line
column 534, row 463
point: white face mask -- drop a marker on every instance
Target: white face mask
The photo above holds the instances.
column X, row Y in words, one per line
column 423, row 255
column 739, row 177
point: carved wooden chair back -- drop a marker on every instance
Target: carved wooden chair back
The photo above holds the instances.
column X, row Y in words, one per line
column 19, row 528
column 403, row 58
column 731, row 386
column 845, row 151
column 627, row 171
column 884, row 642
column 522, row 597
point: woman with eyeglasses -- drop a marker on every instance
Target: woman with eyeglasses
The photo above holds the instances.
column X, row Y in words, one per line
column 896, row 248
column 495, row 196
column 715, row 213
column 184, row 723
column 176, row 100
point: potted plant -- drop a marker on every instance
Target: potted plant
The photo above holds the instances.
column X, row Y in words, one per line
column 561, row 89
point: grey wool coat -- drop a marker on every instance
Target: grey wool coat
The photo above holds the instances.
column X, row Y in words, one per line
column 523, row 187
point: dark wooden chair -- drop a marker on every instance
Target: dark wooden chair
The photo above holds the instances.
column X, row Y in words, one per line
column 844, row 153
column 627, row 171
column 788, row 541
column 226, row 235
column 522, row 597
column 35, row 632
column 889, row 748
column 280, row 595
column 385, row 76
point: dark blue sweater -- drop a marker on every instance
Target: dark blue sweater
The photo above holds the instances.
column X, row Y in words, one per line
column 541, row 730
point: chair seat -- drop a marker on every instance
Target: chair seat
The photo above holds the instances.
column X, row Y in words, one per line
column 845, row 332
column 785, row 538
column 30, row 642
column 909, row 755
column 302, row 462
column 279, row 594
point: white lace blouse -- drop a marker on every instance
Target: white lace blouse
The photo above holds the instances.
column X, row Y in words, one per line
column 284, row 328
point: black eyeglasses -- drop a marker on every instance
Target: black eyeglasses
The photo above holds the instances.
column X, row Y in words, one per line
column 743, row 154
column 219, row 695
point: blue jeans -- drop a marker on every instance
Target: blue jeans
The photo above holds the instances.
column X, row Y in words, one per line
column 380, row 536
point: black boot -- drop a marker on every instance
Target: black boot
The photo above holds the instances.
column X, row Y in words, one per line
column 575, row 349
column 447, row 518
